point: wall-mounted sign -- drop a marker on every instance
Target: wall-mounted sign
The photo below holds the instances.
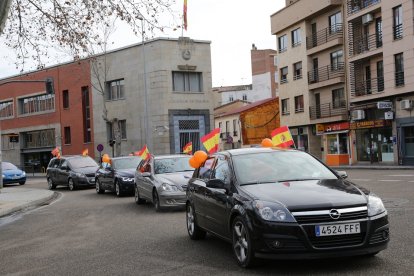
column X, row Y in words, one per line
column 369, row 124
column 320, row 129
column 384, row 105
column 389, row 115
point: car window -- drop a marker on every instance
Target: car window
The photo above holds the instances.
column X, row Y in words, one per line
column 172, row 165
column 64, row 163
column 145, row 166
column 82, row 162
column 126, row 163
column 222, row 170
column 205, row 170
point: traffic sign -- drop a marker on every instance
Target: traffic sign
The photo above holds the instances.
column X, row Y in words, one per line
column 100, row 147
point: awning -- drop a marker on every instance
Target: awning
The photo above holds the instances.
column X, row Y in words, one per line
column 336, row 132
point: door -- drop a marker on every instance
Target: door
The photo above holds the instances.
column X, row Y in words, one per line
column 368, row 79
column 318, row 105
column 378, row 32
column 188, row 129
column 63, row 174
column 314, row 35
column 380, row 76
column 146, row 181
column 366, row 44
column 315, row 70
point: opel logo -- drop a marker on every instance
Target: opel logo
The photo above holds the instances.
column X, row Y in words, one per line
column 334, row 214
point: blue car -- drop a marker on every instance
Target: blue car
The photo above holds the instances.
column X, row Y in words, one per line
column 12, row 174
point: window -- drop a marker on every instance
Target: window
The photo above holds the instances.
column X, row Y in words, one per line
column 86, row 113
column 234, row 127
column 380, row 75
column 335, row 23
column 299, row 106
column 338, row 98
column 397, row 22
column 6, row 109
column 231, row 98
column 297, row 70
column 337, row 60
column 296, row 39
column 187, row 82
column 275, row 60
column 115, row 90
column 122, row 128
column 399, row 69
column 282, row 43
column 65, row 96
column 221, row 129
column 35, row 104
column 285, row 107
column 244, row 97
column 409, row 140
column 227, row 128
column 67, row 135
column 6, row 144
column 283, row 75
column 109, row 132
column 222, row 171
column 337, row 143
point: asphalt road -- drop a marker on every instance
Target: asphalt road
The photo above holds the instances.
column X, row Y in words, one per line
column 83, row 233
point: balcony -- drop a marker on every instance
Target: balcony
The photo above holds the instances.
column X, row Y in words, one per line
column 327, row 110
column 318, row 77
column 355, row 6
column 397, row 31
column 399, row 78
column 365, row 44
column 367, row 87
column 324, row 36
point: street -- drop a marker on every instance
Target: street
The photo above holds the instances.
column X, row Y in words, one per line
column 83, row 233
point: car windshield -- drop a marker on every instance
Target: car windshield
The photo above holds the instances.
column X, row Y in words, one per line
column 126, row 163
column 82, row 162
column 277, row 166
column 171, row 165
column 6, row 166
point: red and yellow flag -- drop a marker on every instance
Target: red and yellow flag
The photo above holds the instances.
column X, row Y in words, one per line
column 211, row 141
column 143, row 153
column 185, row 14
column 85, row 152
column 188, row 148
column 281, row 137
column 56, row 152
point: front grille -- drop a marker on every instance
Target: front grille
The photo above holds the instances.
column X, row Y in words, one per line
column 323, row 216
column 337, row 241
column 90, row 175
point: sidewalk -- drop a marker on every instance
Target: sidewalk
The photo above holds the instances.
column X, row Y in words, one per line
column 17, row 199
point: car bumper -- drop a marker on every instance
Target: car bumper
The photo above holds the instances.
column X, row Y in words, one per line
column 7, row 180
column 90, row 181
column 298, row 241
column 127, row 186
column 172, row 199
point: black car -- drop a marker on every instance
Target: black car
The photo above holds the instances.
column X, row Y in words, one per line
column 117, row 176
column 283, row 204
column 72, row 171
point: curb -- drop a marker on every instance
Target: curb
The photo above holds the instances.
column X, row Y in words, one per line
column 30, row 205
column 372, row 168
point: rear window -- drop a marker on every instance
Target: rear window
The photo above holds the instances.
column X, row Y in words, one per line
column 82, row 162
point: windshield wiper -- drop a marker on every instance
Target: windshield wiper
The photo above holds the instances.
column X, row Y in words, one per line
column 258, row 182
column 297, row 179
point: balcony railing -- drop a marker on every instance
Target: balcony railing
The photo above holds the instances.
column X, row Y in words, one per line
column 326, row 72
column 365, row 44
column 325, row 35
column 399, row 78
column 357, row 5
column 398, row 31
column 367, row 87
column 327, row 110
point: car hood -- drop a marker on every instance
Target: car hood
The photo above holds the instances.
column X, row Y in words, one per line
column 126, row 172
column 86, row 170
column 178, row 178
column 309, row 194
column 12, row 172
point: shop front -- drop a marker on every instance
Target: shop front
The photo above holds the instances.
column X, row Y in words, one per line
column 300, row 137
column 374, row 141
column 405, row 128
column 335, row 142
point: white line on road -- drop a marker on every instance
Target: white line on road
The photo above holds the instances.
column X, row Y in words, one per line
column 389, row 180
column 356, row 179
column 407, row 175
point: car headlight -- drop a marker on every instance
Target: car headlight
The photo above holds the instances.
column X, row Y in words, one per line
column 23, row 173
column 272, row 211
column 3, row 175
column 375, row 205
column 127, row 179
column 169, row 188
column 80, row 175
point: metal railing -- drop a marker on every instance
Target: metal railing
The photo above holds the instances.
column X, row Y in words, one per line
column 357, row 5
column 399, row 78
column 398, row 31
column 365, row 44
column 327, row 110
column 367, row 87
column 324, row 35
column 326, row 72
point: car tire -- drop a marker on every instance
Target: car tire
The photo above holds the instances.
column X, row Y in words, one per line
column 98, row 187
column 193, row 230
column 138, row 199
column 242, row 243
column 71, row 184
column 22, row 182
column 156, row 201
column 50, row 184
column 118, row 190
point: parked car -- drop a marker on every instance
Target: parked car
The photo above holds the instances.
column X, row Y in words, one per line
column 73, row 171
column 283, row 204
column 117, row 176
column 163, row 180
column 12, row 174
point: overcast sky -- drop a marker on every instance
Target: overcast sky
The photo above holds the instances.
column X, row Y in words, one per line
column 231, row 26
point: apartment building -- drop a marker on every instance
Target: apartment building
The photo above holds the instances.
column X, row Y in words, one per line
column 354, row 103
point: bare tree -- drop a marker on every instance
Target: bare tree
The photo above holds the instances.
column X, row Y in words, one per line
column 34, row 26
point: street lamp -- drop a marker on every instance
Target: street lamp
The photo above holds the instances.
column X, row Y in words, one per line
column 146, row 111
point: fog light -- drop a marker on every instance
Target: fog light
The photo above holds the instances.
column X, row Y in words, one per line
column 385, row 235
column 277, row 244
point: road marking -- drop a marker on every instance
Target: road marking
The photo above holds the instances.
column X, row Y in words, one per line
column 412, row 181
column 405, row 175
column 356, row 179
column 389, row 180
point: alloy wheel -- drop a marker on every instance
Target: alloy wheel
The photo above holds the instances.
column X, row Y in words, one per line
column 156, row 201
column 117, row 190
column 240, row 241
column 71, row 184
column 50, row 184
column 190, row 220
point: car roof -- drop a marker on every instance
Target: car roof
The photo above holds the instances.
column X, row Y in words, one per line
column 166, row 156
column 242, row 151
column 125, row 157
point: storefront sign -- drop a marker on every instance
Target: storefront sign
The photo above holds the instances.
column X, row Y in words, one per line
column 336, row 127
column 369, row 124
column 384, row 105
column 320, row 129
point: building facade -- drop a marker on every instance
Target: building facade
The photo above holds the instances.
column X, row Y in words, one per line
column 163, row 87
column 33, row 122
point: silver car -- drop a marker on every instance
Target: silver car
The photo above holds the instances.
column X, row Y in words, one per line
column 163, row 181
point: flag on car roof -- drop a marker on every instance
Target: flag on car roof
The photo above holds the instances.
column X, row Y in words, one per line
column 56, row 152
column 188, row 148
column 185, row 14
column 143, row 153
column 211, row 141
column 85, row 152
column 281, row 137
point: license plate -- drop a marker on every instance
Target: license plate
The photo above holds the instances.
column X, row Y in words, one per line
column 337, row 229
column 92, row 180
column 15, row 177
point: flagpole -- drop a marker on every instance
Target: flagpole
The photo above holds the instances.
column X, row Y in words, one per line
column 292, row 138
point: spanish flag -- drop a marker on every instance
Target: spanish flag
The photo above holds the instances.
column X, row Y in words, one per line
column 188, row 148
column 56, row 152
column 281, row 137
column 185, row 14
column 85, row 152
column 143, row 153
column 211, row 141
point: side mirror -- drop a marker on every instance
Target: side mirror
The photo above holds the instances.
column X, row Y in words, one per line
column 216, row 184
column 342, row 174
column 146, row 174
